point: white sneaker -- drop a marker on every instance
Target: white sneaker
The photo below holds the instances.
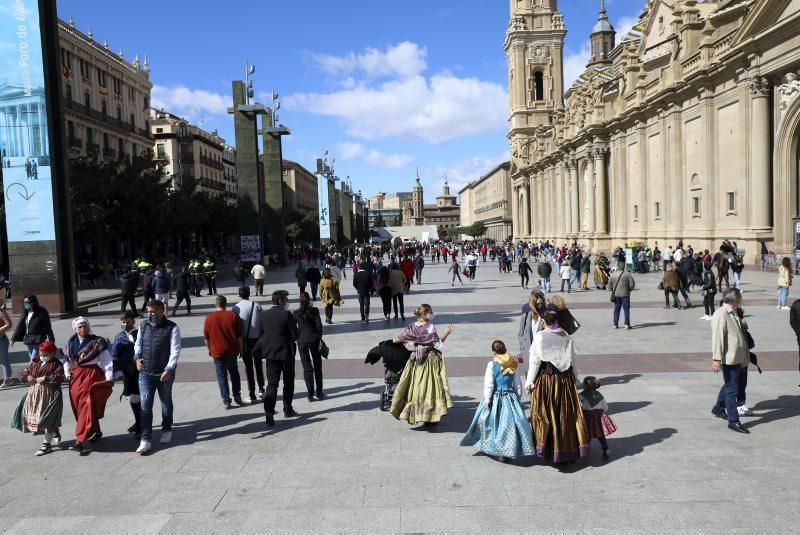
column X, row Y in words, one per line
column 166, row 437
column 778, row 307
column 785, row 308
column 744, row 410
column 704, row 317
column 144, row 447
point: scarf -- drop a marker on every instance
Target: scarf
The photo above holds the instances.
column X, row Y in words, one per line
column 507, row 363
column 592, row 396
column 79, row 352
column 419, row 340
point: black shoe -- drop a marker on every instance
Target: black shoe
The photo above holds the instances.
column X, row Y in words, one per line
column 739, row 428
column 310, row 399
column 719, row 414
column 290, row 413
column 270, row 420
column 96, row 436
column 239, row 401
column 320, row 396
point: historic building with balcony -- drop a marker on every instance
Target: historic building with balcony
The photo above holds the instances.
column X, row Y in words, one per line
column 189, row 154
column 106, row 97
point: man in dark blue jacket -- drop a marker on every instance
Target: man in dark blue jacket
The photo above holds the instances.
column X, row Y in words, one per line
column 156, row 353
column 122, row 351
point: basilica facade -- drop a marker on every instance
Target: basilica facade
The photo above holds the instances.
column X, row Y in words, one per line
column 686, row 127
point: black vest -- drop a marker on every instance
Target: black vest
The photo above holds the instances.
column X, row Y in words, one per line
column 156, row 345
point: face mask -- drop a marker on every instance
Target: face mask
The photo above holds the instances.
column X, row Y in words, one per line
column 44, row 358
column 27, row 306
column 152, row 318
column 430, row 316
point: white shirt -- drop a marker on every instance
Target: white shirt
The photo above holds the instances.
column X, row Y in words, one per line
column 678, row 255
column 667, row 254
column 251, row 310
column 258, row 271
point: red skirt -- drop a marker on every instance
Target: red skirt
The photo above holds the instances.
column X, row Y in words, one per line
column 88, row 393
column 598, row 423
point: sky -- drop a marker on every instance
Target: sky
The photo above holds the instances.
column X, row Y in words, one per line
column 387, row 88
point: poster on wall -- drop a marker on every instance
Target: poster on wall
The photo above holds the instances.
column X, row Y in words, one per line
column 24, row 135
column 251, row 248
column 324, row 208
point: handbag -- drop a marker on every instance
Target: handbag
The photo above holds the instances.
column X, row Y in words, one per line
column 614, row 289
column 33, row 339
column 324, row 350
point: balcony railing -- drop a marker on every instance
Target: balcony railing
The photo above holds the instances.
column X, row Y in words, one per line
column 75, row 142
column 92, row 147
column 77, row 107
column 211, row 162
column 186, row 158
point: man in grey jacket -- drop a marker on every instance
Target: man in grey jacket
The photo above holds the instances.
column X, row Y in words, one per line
column 731, row 355
column 622, row 284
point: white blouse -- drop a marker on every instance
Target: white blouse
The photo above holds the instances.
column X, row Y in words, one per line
column 488, row 382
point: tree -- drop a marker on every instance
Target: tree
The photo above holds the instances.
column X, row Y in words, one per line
column 477, row 229
column 303, row 226
column 379, row 221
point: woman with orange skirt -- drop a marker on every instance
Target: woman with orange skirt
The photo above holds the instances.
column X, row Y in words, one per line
column 90, row 370
column 559, row 430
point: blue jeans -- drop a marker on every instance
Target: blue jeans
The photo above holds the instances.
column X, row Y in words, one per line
column 225, row 366
column 33, row 350
column 4, row 357
column 545, row 284
column 685, row 295
column 783, row 295
column 625, row 304
column 737, row 281
column 576, row 277
column 735, row 382
column 148, row 385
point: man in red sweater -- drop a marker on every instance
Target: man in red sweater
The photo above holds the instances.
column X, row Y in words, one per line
column 407, row 267
column 223, row 335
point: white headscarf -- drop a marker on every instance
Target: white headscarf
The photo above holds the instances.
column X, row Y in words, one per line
column 80, row 320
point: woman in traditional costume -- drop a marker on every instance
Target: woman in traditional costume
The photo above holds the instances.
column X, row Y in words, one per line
column 90, row 369
column 422, row 395
column 499, row 427
column 559, row 429
column 601, row 272
column 40, row 410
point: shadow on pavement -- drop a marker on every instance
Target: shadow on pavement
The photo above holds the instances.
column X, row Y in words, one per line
column 618, row 407
column 782, row 408
column 619, row 379
column 656, row 324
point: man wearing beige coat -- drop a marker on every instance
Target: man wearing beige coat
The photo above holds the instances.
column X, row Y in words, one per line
column 731, row 355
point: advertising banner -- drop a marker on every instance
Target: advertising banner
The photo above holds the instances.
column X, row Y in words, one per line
column 251, row 248
column 324, row 208
column 24, row 135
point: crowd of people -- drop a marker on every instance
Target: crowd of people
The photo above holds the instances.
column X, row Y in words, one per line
column 565, row 415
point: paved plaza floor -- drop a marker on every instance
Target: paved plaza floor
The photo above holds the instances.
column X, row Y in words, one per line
column 344, row 466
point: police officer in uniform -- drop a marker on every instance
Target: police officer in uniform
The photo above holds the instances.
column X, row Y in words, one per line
column 210, row 271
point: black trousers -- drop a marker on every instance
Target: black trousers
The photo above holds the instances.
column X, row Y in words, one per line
column 708, row 303
column 386, row 299
column 418, row 272
column 314, row 286
column 181, row 297
column 129, row 299
column 259, row 284
column 211, row 282
column 674, row 294
column 329, row 312
column 524, row 278
column 363, row 306
column 399, row 298
column 251, row 361
column 312, row 367
column 148, row 296
column 276, row 369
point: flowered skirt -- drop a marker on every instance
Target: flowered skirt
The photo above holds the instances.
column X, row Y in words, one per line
column 598, row 423
column 422, row 395
column 502, row 429
column 39, row 410
column 556, row 416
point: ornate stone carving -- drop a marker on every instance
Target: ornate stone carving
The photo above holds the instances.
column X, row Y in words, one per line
column 521, row 151
column 518, row 23
column 760, row 87
column 789, row 90
column 539, row 53
column 558, row 21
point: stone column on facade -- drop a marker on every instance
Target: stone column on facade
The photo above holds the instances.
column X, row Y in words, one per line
column 573, row 195
column 589, row 179
column 520, row 76
column 526, row 208
column 558, row 212
column 514, row 211
column 760, row 156
column 601, row 206
column 566, row 170
column 29, row 128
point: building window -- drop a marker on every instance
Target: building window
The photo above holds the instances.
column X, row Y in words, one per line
column 182, row 130
column 159, row 130
column 657, row 210
column 135, row 149
column 538, row 85
column 89, row 135
column 636, row 212
column 695, row 206
column 131, row 94
column 70, row 129
column 101, row 77
column 133, row 120
column 103, row 106
column 160, row 150
column 84, row 67
column 730, row 202
column 87, row 101
column 68, row 92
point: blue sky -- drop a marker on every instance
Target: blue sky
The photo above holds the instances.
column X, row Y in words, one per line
column 386, row 87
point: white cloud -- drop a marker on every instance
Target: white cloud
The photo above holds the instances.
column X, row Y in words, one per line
column 575, row 64
column 357, row 151
column 462, row 173
column 624, row 25
column 404, row 60
column 182, row 100
column 436, row 109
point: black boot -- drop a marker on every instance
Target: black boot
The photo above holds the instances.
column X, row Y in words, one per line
column 137, row 415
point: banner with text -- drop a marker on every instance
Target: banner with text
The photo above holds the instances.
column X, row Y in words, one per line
column 324, row 208
column 24, row 135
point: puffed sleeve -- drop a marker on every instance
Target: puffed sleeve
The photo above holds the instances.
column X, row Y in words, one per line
column 488, row 382
column 534, row 361
column 106, row 364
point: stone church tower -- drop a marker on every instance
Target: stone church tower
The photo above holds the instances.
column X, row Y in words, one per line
column 418, row 203
column 534, row 47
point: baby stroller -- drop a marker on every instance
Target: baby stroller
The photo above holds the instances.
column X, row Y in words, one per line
column 394, row 358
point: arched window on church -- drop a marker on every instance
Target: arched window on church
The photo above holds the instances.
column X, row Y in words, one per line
column 538, row 85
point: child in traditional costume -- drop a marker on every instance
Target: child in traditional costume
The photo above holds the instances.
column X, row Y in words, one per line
column 500, row 427
column 595, row 413
column 40, row 410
